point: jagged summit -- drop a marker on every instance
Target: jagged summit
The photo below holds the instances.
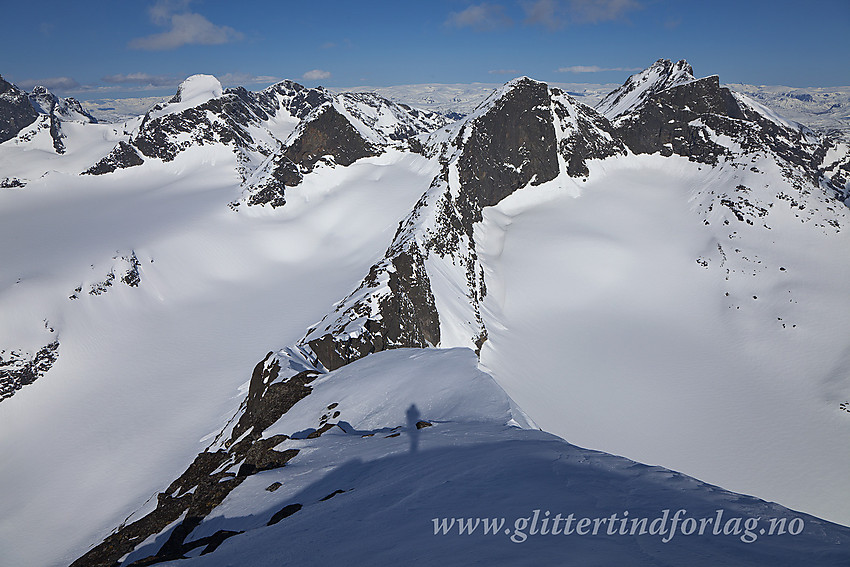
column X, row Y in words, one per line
column 69, row 108
column 28, row 114
column 663, row 74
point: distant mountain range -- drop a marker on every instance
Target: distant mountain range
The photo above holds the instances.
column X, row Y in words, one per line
column 820, row 108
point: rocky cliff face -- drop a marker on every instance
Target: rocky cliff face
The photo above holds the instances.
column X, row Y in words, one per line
column 16, row 112
column 213, row 474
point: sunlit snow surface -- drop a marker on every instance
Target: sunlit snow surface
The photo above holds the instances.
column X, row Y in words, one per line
column 145, row 373
column 369, row 491
column 639, row 349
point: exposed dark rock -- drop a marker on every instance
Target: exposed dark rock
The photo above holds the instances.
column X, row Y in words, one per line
column 160, row 137
column 268, row 400
column 684, row 116
column 127, row 266
column 69, row 108
column 284, row 512
column 661, row 75
column 297, row 100
column 131, row 276
column 320, row 431
column 225, row 119
column 170, row 505
column 520, row 137
column 407, row 314
column 99, row 288
column 59, row 110
column 19, row 369
column 122, row 156
column 16, row 111
column 663, row 123
column 261, row 456
column 423, row 424
column 587, row 135
column 328, row 133
column 510, row 146
column 280, row 172
column 331, row 495
column 12, row 183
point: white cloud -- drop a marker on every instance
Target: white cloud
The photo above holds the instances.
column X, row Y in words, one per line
column 52, row 83
column 594, row 11
column 316, row 75
column 594, row 69
column 141, row 79
column 544, row 12
column 241, row 79
column 556, row 13
column 184, row 28
column 162, row 10
column 480, row 17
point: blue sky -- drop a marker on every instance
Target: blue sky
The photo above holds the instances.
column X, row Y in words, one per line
column 112, row 48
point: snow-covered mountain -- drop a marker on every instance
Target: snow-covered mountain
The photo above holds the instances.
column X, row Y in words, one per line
column 661, row 277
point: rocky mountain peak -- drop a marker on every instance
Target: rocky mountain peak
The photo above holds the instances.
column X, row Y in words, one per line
column 19, row 110
column 693, row 117
column 16, row 112
column 337, row 130
column 525, row 133
column 661, row 75
column 45, row 102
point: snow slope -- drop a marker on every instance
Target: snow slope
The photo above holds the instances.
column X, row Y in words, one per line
column 145, row 373
column 663, row 341
column 369, row 490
